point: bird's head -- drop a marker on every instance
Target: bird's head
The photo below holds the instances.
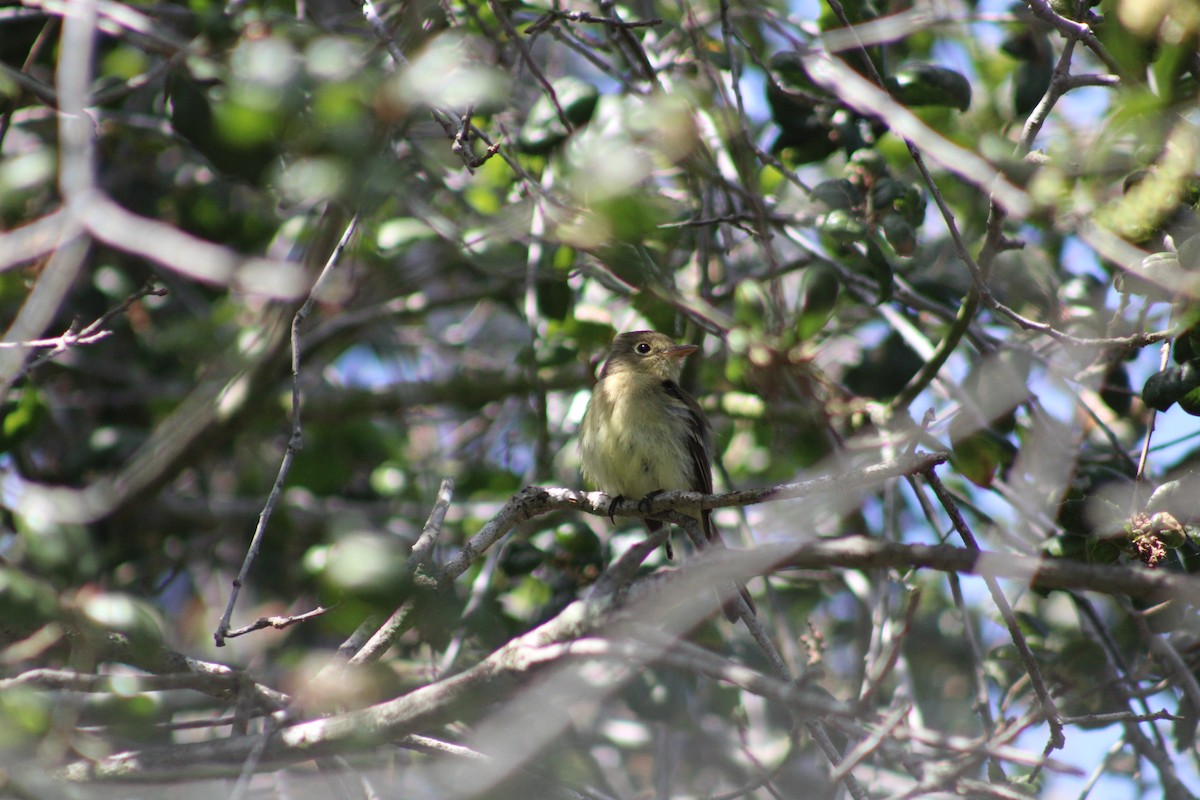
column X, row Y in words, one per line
column 649, row 353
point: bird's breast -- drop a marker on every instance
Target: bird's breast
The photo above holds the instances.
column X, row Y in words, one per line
column 633, row 440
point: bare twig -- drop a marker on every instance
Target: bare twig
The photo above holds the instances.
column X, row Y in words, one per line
column 566, row 637
column 1049, row 707
column 417, row 569
column 277, row 622
column 1080, row 31
column 1164, row 357
column 40, row 308
column 527, row 58
column 123, row 684
column 93, row 332
column 554, row 15
column 865, row 748
column 295, row 442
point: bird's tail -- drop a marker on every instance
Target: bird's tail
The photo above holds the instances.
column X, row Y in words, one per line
column 731, row 607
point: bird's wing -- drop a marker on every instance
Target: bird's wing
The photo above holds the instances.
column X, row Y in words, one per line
column 699, row 437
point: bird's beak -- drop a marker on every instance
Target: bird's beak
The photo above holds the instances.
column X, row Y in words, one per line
column 682, row 350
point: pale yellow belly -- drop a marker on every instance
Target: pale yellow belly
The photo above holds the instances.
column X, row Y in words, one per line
column 636, row 452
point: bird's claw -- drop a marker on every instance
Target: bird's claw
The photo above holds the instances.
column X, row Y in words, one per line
column 644, row 507
column 612, row 505
column 644, row 503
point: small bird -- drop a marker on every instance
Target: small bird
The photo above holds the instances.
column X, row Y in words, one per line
column 642, row 434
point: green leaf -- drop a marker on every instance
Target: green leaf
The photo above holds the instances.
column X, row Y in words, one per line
column 1115, row 389
column 819, row 288
column 554, row 298
column 1190, row 403
column 880, row 267
column 930, row 85
column 1188, row 253
column 1158, row 278
column 25, row 603
column 364, row 565
column 838, row 194
column 237, row 137
column 1164, row 389
column 979, row 455
column 1023, row 45
column 885, row 192
column 25, row 713
column 544, row 130
column 788, row 66
column 66, row 552
column 22, row 418
column 750, row 306
column 899, row 233
column 401, row 232
column 1030, row 82
column 901, row 197
column 855, row 11
column 1187, row 345
column 521, row 558
column 866, row 166
column 115, row 611
column 577, row 539
column 1069, row 546
column 633, row 217
column 884, row 369
column 842, row 228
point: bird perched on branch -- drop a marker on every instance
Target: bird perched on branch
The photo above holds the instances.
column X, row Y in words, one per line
column 642, row 434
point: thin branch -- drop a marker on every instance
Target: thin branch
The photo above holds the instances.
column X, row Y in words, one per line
column 867, row 478
column 816, row 728
column 863, row 553
column 1049, row 708
column 27, row 83
column 1080, row 31
column 65, row 341
column 1059, row 84
column 40, row 307
column 295, row 442
column 527, row 58
column 932, row 366
column 1164, row 357
column 277, row 622
column 417, row 569
column 554, row 15
column 1132, row 340
column 562, row 640
column 90, row 334
column 125, row 685
column 1113, row 675
column 1114, row 717
column 1164, row 650
column 118, row 19
column 563, row 637
column 89, row 207
column 866, row 747
column 885, row 666
column 34, row 239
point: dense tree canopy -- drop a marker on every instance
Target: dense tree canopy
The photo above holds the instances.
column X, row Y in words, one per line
column 303, row 303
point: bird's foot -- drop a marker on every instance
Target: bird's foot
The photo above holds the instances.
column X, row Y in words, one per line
column 612, row 504
column 644, row 503
column 644, row 507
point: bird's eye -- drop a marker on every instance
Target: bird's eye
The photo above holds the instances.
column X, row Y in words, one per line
column 642, row 347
